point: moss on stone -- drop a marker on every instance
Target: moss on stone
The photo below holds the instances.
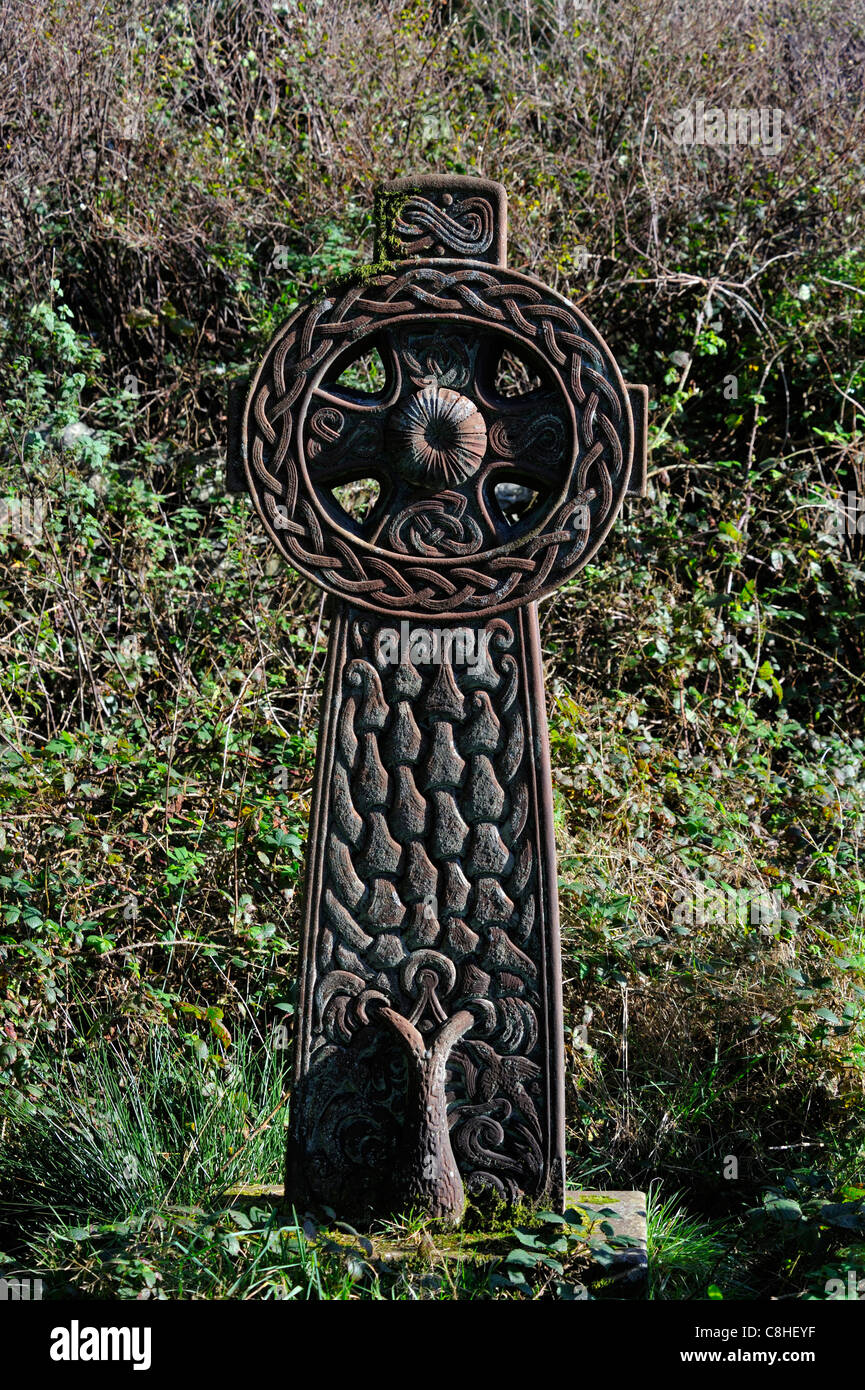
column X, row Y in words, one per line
column 386, row 211
column 387, row 246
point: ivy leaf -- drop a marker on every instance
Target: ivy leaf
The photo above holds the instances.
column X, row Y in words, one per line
column 847, row 1216
column 784, row 1208
column 522, row 1257
column 828, row 1016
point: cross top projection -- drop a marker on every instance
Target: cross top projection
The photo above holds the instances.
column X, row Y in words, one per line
column 439, row 443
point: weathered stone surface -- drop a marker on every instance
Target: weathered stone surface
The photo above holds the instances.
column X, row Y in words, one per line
column 429, row 1045
column 612, row 1224
column 620, row 1218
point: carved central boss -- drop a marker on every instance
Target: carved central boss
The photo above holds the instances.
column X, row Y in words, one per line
column 499, row 440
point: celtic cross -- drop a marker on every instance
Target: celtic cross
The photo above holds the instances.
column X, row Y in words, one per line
column 491, row 457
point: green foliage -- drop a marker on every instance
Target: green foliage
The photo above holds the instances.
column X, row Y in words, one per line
column 174, row 182
column 117, row 1133
column 684, row 1251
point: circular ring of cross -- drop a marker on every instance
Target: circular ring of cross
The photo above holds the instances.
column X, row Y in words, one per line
column 492, row 489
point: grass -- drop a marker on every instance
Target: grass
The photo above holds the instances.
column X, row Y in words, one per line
column 684, row 1251
column 124, row 1133
column 118, row 1189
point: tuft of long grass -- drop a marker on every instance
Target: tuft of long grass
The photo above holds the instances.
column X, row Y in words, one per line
column 684, row 1251
column 124, row 1133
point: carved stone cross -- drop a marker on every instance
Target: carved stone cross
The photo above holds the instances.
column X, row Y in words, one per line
column 501, row 441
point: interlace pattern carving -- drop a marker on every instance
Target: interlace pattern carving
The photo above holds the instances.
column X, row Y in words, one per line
column 463, row 227
column 428, row 914
column 301, row 436
column 499, row 436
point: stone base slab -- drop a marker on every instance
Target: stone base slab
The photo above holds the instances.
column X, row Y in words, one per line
column 617, row 1231
column 613, row 1223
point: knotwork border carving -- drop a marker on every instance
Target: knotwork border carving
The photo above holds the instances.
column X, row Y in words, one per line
column 571, row 529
